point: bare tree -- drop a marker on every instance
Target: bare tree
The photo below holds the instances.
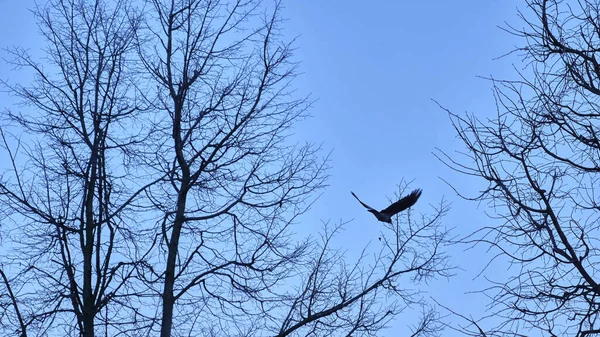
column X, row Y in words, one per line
column 66, row 194
column 540, row 155
column 159, row 187
column 341, row 299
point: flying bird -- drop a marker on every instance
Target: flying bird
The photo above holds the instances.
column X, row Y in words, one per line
column 393, row 209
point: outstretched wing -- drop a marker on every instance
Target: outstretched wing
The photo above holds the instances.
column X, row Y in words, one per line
column 362, row 203
column 403, row 203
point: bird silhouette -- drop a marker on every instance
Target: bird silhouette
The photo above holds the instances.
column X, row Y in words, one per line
column 393, row 209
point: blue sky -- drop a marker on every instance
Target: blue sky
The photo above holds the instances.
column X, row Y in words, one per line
column 374, row 70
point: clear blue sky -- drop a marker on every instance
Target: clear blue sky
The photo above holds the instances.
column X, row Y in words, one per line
column 374, row 69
